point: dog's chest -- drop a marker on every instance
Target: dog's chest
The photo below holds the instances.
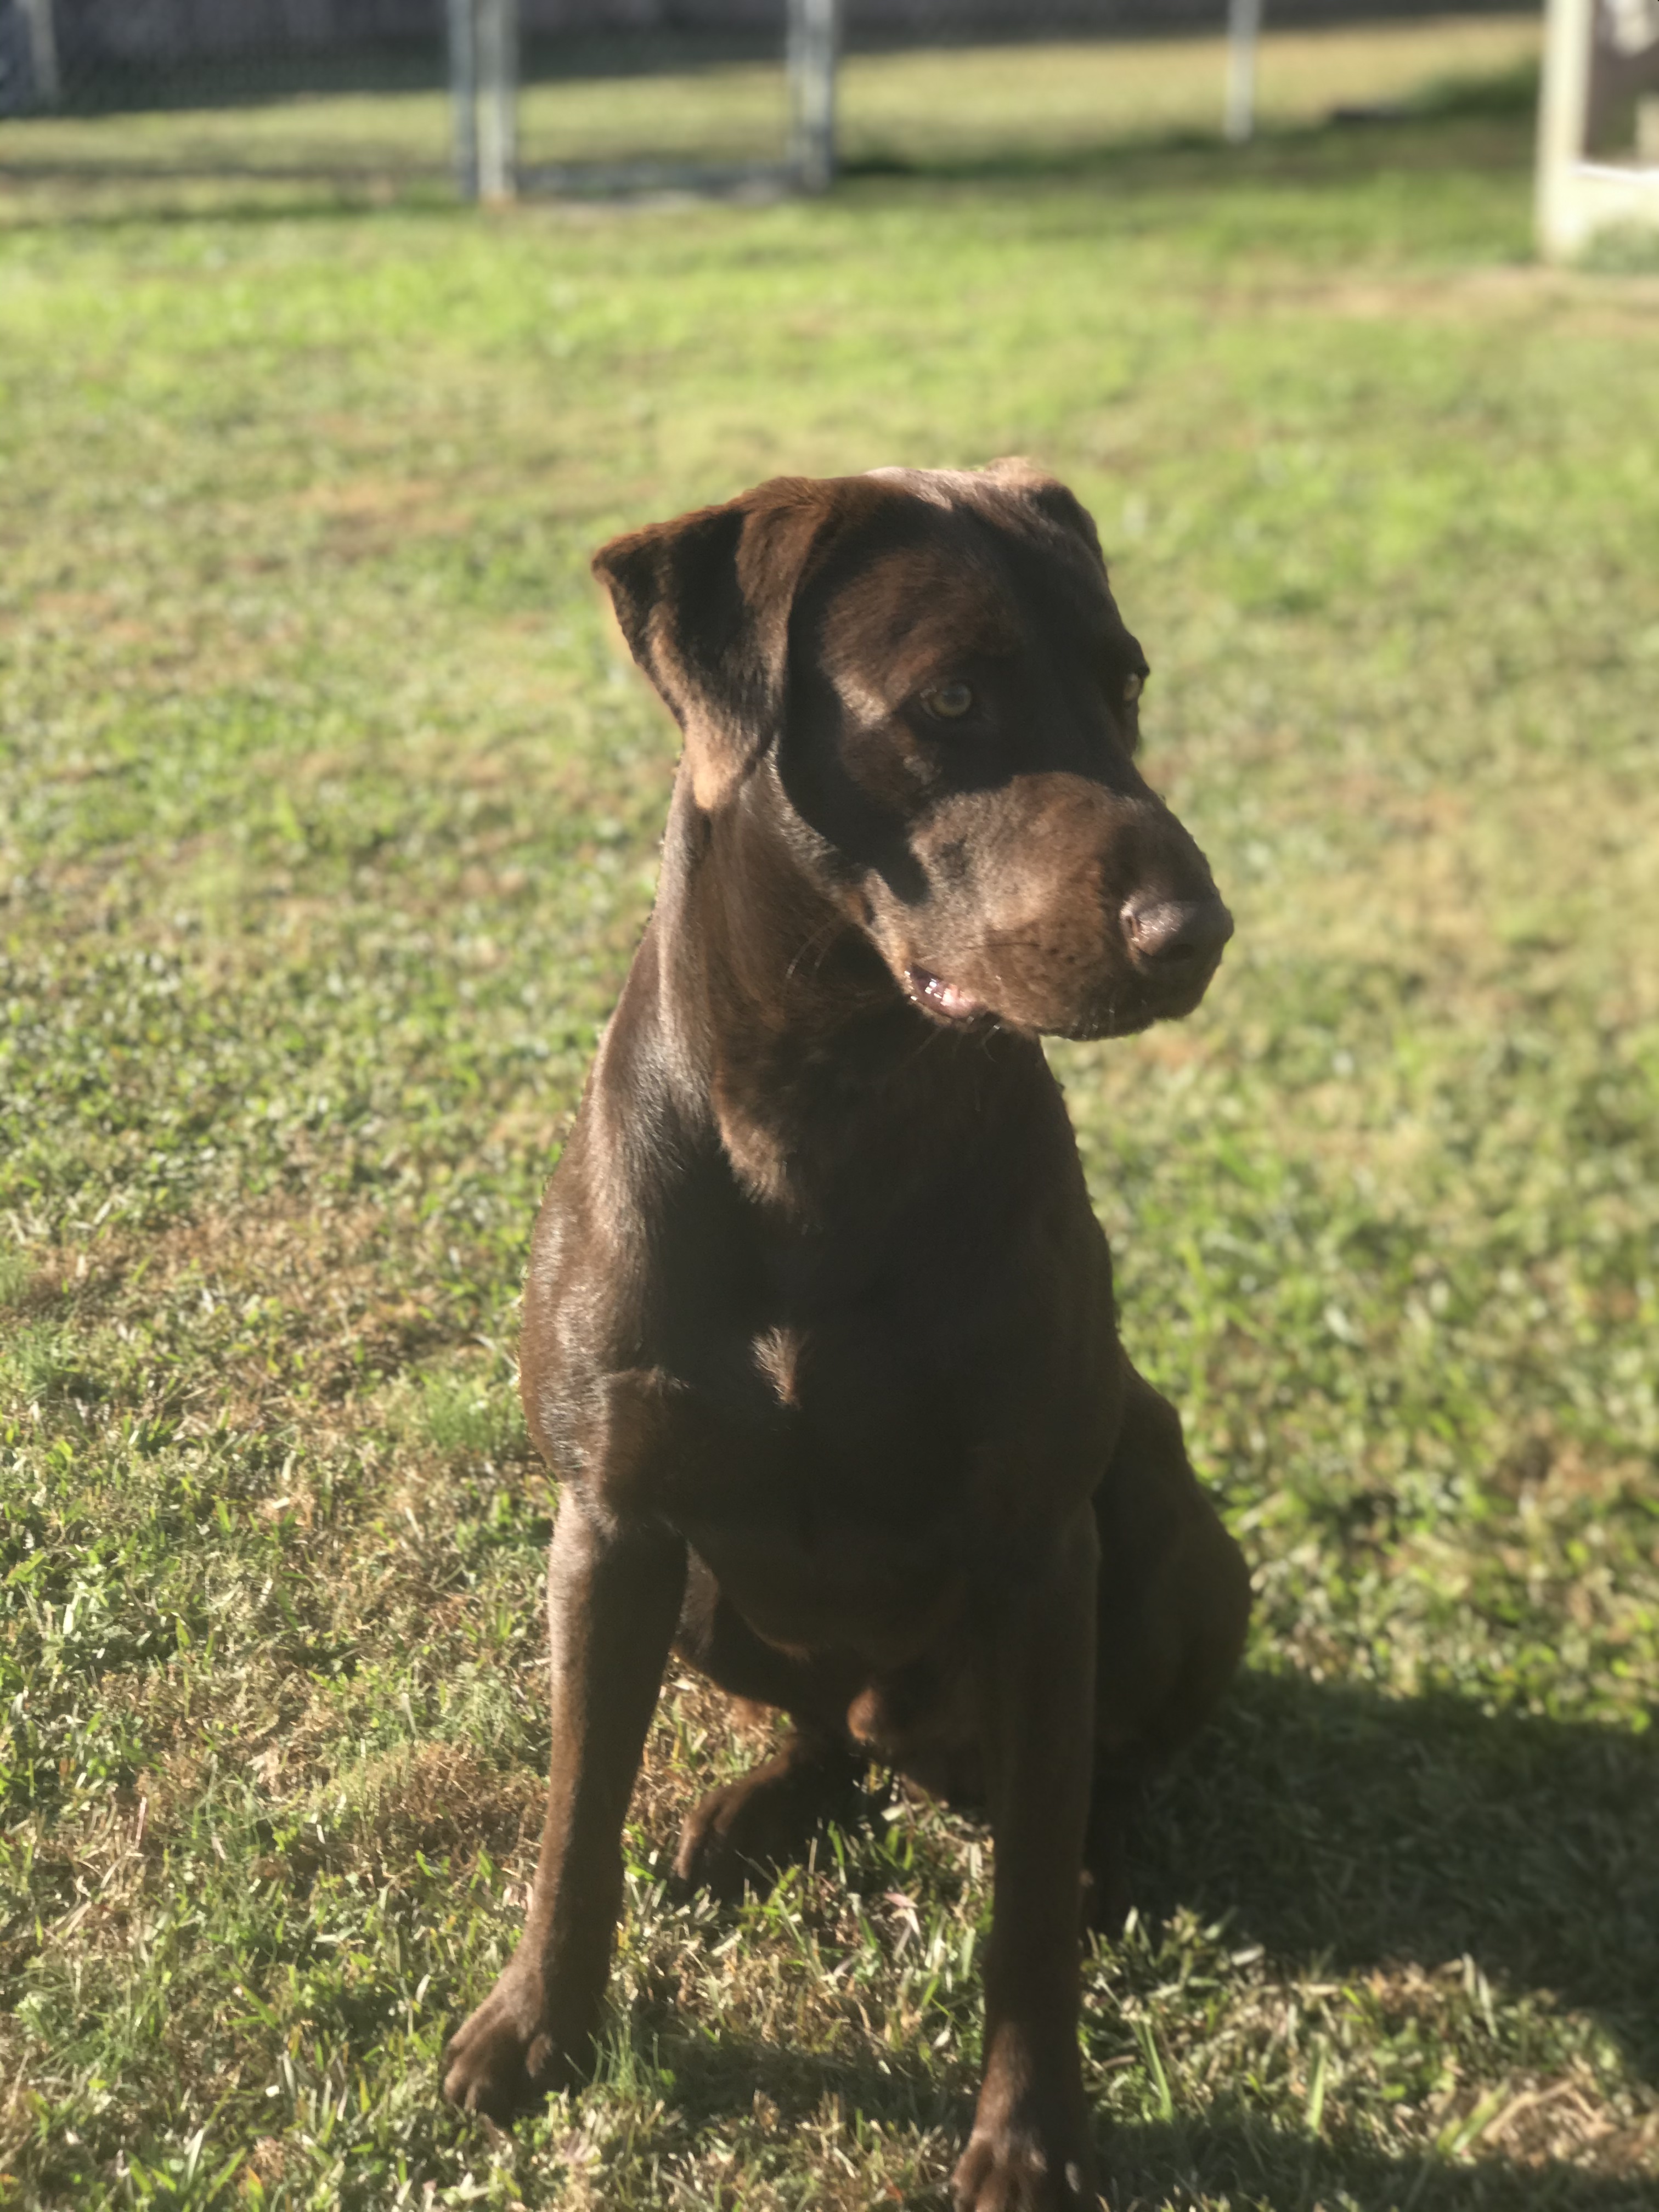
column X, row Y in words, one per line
column 839, row 1501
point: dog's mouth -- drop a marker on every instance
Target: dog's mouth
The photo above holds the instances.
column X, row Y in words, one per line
column 1116, row 1006
column 1123, row 1013
column 948, row 1001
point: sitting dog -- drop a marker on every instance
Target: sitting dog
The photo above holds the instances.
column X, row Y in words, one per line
column 819, row 1331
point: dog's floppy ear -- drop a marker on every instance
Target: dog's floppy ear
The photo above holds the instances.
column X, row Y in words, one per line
column 1049, row 496
column 704, row 604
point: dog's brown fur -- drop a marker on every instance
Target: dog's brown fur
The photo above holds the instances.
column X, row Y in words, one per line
column 819, row 1329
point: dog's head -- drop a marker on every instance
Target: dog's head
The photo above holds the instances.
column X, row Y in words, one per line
column 922, row 680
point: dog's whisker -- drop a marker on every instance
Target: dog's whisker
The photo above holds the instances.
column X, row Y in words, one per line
column 821, row 940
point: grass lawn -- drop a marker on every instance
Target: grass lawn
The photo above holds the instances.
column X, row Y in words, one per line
column 328, row 820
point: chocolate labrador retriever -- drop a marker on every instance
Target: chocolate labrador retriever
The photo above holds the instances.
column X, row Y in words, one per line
column 819, row 1331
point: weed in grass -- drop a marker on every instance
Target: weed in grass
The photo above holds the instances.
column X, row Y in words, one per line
column 469, row 1415
column 17, row 1278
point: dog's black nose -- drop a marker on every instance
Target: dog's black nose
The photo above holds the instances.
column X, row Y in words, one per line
column 1176, row 935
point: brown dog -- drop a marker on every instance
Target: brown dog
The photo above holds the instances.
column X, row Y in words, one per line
column 819, row 1329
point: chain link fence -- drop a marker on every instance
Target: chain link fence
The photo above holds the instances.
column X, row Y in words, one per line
column 401, row 95
column 91, row 57
column 142, row 93
column 393, row 97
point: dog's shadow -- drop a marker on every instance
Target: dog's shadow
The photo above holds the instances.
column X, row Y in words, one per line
column 1331, row 1823
column 1335, row 1826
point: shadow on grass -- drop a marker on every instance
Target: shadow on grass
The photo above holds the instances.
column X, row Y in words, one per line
column 312, row 197
column 1461, row 136
column 1242, row 2159
column 1227, row 2154
column 1327, row 1823
column 1427, row 142
column 1344, row 1831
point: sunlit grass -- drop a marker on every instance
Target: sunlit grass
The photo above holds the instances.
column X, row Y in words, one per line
column 1041, row 103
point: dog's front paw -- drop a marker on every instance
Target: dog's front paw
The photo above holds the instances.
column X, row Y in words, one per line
column 1018, row 2169
column 507, row 2057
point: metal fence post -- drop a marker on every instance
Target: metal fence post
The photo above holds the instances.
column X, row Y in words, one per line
column 1244, row 27
column 814, row 50
column 498, row 98
column 46, row 82
column 464, row 93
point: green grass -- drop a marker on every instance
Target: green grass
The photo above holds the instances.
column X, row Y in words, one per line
column 328, row 818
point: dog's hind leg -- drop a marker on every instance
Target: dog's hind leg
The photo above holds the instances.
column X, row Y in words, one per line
column 1173, row 1606
column 1106, row 1900
column 766, row 1817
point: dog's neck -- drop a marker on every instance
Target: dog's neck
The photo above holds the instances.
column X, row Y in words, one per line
column 824, row 1081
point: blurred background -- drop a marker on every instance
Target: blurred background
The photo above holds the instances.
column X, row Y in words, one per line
column 357, row 89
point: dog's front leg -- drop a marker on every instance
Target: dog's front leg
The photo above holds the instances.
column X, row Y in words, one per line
column 613, row 1598
column 1030, row 2151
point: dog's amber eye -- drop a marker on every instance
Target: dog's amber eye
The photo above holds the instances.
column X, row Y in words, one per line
column 1134, row 685
column 949, row 702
